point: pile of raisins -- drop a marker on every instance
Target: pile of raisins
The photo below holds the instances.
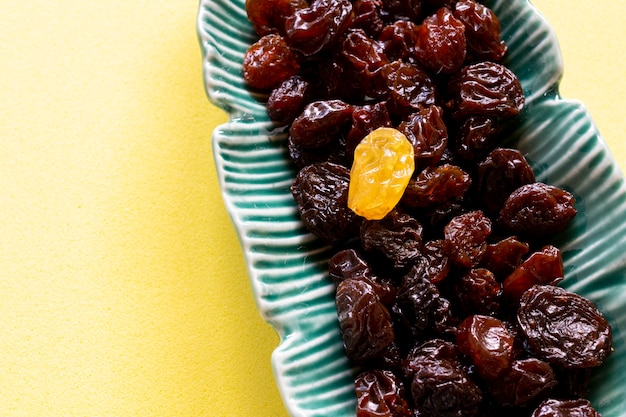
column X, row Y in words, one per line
column 448, row 305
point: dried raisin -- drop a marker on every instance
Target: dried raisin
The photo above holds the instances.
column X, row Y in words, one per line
column 537, row 210
column 321, row 192
column 269, row 62
column 564, row 328
column 485, row 89
column 365, row 322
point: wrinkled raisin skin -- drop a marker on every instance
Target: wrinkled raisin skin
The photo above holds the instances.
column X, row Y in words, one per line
column 315, row 28
column 482, row 30
column 504, row 256
column 526, row 382
column 397, row 236
column 485, row 89
column 564, row 328
column 348, row 263
column 394, row 10
column 382, row 391
column 366, row 59
column 441, row 43
column 321, row 192
column 499, row 174
column 320, row 123
column 436, row 185
column 366, row 119
column 398, row 39
column 474, row 138
column 488, row 344
column 302, row 157
column 367, row 17
column 288, row 99
column 442, row 388
column 537, row 210
column 479, row 292
column 269, row 62
column 433, row 264
column 544, row 267
column 428, row 133
column 417, row 299
column 409, row 88
column 578, row 407
column 365, row 322
column 466, row 238
column 268, row 16
column 438, row 349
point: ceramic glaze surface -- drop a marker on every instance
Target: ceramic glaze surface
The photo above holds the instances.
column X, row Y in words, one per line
column 287, row 265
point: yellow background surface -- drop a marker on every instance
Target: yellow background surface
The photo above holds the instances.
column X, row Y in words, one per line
column 123, row 290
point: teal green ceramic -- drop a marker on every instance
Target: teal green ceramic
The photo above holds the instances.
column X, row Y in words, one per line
column 287, row 265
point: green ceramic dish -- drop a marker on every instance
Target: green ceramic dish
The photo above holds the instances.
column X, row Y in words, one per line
column 287, row 266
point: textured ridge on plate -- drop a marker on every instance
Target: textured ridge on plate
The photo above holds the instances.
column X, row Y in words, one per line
column 287, row 266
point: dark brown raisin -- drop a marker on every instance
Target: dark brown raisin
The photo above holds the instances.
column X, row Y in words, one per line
column 321, row 192
column 502, row 172
column 365, row 119
column 394, row 10
column 475, row 138
column 398, row 39
column 287, row 101
column 504, row 256
column 485, row 89
column 397, row 236
column 348, row 263
column 333, row 152
column 367, row 17
column 331, row 79
column 564, row 328
column 365, row 323
column 565, row 408
column 268, row 16
column 435, row 186
column 391, row 359
column 442, row 388
column 438, row 349
column 443, row 320
column 544, row 267
column 409, row 88
column 479, row 292
column 417, row 299
column 366, row 58
column 320, row 123
column 269, row 62
column 441, row 43
column 380, row 393
column 482, row 30
column 315, row 28
column 433, row 264
column 487, row 343
column 527, row 381
column 537, row 210
column 435, row 218
column 427, row 132
column 466, row 238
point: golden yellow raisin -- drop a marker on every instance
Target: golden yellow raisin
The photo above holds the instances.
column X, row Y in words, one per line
column 383, row 164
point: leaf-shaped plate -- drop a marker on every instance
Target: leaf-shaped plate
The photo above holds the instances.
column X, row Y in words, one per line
column 287, row 265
